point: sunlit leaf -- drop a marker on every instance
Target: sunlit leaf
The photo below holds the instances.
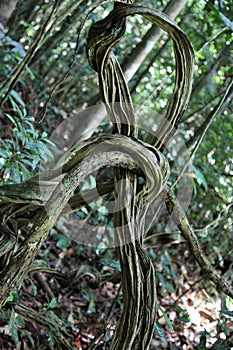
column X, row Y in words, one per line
column 53, row 303
column 166, row 318
column 113, row 264
column 16, row 96
column 160, row 332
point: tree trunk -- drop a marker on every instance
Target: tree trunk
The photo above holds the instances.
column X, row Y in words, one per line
column 6, row 9
column 222, row 58
column 134, row 61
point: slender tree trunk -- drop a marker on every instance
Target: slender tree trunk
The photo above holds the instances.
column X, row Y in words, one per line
column 70, row 17
column 134, row 61
column 198, row 132
column 25, row 12
column 222, row 58
column 148, row 65
column 6, row 9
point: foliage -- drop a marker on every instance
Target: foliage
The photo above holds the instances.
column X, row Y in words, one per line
column 23, row 148
column 22, row 145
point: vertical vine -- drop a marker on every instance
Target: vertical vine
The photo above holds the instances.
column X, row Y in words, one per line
column 135, row 327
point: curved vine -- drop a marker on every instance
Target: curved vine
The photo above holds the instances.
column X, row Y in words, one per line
column 136, row 325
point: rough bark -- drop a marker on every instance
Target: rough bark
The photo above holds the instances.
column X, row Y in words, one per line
column 6, row 9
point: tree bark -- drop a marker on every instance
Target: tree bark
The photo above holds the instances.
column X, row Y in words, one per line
column 6, row 9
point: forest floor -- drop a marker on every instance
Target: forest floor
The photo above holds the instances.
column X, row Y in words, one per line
column 186, row 309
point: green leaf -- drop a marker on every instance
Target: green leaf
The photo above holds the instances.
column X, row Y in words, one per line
column 19, row 320
column 25, row 173
column 101, row 248
column 91, row 307
column 5, row 153
column 15, row 174
column 30, row 72
column 31, row 146
column 85, row 211
column 202, row 344
column 34, row 288
column 27, row 162
column 92, row 181
column 28, row 156
column 13, row 328
column 11, row 118
column 62, row 241
column 11, row 297
column 30, row 129
column 46, row 154
column 161, row 279
column 160, row 332
column 16, row 96
column 169, row 287
column 51, row 143
column 80, row 214
column 53, row 303
column 103, row 210
column 44, row 134
column 18, row 48
column 182, row 315
column 2, row 162
column 166, row 258
column 28, row 334
column 227, row 312
column 201, row 178
column 113, row 264
column 166, row 318
column 184, row 318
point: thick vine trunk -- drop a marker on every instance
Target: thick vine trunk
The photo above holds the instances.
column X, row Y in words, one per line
column 82, row 160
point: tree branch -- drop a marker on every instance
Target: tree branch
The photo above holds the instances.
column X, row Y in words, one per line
column 178, row 214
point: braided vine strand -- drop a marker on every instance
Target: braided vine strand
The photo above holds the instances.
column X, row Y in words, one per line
column 135, row 327
column 103, row 36
column 7, row 240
